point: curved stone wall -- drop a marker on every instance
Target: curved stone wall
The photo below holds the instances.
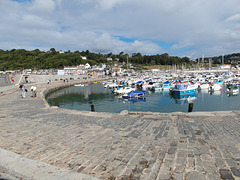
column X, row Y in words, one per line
column 46, row 91
column 5, row 80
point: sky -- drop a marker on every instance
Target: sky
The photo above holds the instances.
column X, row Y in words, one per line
column 192, row 28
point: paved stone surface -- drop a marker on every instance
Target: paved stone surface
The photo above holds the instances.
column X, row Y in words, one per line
column 14, row 166
column 122, row 146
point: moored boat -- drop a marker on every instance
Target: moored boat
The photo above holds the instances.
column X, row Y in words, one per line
column 232, row 89
column 183, row 88
column 205, row 85
column 166, row 86
column 215, row 87
column 124, row 90
column 79, row 85
column 134, row 94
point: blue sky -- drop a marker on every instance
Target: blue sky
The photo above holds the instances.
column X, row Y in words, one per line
column 177, row 27
column 21, row 0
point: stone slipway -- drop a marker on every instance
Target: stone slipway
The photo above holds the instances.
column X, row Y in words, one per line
column 15, row 166
column 41, row 142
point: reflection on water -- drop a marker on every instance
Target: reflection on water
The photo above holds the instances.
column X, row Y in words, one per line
column 232, row 94
column 134, row 100
column 81, row 98
column 183, row 99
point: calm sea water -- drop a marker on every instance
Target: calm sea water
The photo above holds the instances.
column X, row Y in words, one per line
column 81, row 98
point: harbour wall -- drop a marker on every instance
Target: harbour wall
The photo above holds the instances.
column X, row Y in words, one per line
column 60, row 85
column 5, row 80
column 27, row 78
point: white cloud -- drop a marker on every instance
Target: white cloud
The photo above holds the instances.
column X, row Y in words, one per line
column 109, row 4
column 43, row 5
column 192, row 27
column 180, row 45
column 235, row 17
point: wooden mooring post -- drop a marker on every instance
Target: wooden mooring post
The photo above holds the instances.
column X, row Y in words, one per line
column 92, row 108
column 190, row 107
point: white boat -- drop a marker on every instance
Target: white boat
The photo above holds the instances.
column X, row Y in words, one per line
column 205, row 86
column 196, row 85
column 215, row 87
column 111, row 85
column 149, row 86
column 124, row 90
column 79, row 85
column 116, row 89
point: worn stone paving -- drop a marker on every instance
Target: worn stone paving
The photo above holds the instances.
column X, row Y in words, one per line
column 122, row 146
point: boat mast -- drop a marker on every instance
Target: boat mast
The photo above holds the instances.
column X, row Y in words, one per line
column 210, row 63
column 222, row 59
column 198, row 64
column 203, row 61
column 127, row 62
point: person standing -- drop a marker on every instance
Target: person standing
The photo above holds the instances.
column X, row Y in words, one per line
column 24, row 90
column 12, row 79
column 33, row 90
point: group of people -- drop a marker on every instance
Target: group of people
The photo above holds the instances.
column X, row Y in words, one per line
column 24, row 91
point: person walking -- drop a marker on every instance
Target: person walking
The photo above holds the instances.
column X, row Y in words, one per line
column 33, row 90
column 24, row 90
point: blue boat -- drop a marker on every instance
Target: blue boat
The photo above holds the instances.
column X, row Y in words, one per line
column 183, row 88
column 139, row 82
column 164, row 86
column 219, row 82
column 134, row 94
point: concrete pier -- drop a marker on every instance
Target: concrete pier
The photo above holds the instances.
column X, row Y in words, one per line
column 41, row 142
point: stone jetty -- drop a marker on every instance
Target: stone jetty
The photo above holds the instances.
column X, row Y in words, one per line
column 41, row 142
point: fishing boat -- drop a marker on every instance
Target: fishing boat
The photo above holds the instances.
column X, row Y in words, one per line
column 183, row 88
column 134, row 94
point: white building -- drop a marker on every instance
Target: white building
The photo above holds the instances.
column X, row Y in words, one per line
column 87, row 66
column 103, row 66
column 225, row 66
column 155, row 70
column 61, row 72
column 70, row 70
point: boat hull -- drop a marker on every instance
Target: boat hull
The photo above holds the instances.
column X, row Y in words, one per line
column 184, row 92
column 134, row 94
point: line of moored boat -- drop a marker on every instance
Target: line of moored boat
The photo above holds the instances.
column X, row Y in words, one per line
column 137, row 86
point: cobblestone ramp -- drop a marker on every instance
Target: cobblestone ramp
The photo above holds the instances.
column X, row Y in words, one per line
column 115, row 146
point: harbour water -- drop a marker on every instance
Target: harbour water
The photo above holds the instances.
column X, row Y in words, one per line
column 81, row 98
